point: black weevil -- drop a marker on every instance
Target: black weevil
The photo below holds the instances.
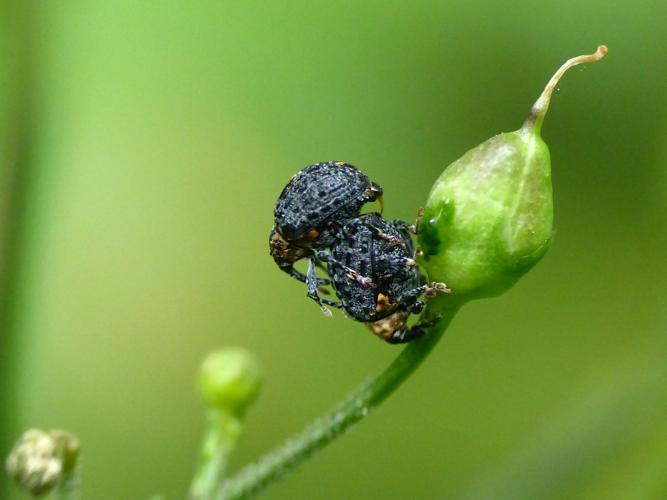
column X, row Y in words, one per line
column 315, row 200
column 374, row 274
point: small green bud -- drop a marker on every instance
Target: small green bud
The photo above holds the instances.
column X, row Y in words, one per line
column 230, row 380
column 488, row 218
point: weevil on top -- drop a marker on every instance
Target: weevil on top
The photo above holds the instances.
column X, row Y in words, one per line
column 313, row 202
column 371, row 261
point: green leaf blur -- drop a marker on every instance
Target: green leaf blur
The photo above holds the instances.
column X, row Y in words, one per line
column 143, row 146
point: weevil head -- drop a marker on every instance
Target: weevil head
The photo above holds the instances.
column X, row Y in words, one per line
column 284, row 251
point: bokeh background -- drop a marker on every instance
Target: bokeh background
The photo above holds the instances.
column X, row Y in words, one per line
column 143, row 147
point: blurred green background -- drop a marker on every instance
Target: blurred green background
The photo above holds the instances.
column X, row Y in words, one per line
column 143, row 147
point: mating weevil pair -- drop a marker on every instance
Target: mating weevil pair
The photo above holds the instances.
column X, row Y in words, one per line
column 371, row 261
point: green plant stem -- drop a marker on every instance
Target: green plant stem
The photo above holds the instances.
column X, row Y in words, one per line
column 222, row 434
column 357, row 405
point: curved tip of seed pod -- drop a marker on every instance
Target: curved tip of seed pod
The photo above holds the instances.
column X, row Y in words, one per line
column 541, row 106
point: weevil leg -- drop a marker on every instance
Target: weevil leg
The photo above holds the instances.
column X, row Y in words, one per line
column 325, row 257
column 417, row 307
column 321, row 282
column 392, row 240
column 409, row 298
column 288, row 267
column 332, row 303
column 362, row 280
column 409, row 262
column 285, row 254
column 351, row 273
column 403, row 225
column 406, row 334
column 435, row 287
column 420, row 215
column 413, row 228
column 311, row 282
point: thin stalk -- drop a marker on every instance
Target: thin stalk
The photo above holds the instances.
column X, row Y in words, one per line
column 357, row 405
column 222, row 435
column 541, row 106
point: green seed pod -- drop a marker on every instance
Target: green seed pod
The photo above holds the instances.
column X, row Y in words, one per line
column 488, row 218
column 230, row 380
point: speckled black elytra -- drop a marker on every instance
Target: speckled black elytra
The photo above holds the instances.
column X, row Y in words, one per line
column 315, row 201
column 372, row 267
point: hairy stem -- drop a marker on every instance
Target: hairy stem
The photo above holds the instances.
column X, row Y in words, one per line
column 357, row 405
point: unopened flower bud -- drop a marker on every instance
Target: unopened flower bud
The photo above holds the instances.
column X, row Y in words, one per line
column 488, row 218
column 230, row 380
column 39, row 460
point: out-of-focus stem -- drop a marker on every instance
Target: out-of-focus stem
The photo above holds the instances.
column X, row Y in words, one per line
column 222, row 434
column 357, row 405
